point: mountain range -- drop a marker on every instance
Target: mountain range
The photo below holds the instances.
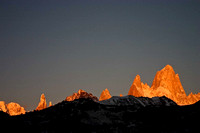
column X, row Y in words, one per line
column 166, row 83
column 144, row 109
column 118, row 114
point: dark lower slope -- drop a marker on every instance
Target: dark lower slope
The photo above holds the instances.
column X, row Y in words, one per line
column 85, row 115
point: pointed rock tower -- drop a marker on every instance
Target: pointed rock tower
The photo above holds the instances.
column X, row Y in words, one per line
column 136, row 87
column 42, row 104
column 167, row 83
column 105, row 95
column 139, row 89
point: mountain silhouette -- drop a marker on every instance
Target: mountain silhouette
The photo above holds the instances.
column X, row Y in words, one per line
column 127, row 114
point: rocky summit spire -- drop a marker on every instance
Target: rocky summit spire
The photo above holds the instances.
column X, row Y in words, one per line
column 137, row 81
column 136, row 87
column 81, row 94
column 139, row 89
column 42, row 104
column 166, row 83
column 105, row 95
column 164, row 77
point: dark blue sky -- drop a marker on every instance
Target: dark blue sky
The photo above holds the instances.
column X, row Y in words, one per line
column 58, row 47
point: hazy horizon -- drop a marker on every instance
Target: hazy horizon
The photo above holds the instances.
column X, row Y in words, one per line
column 57, row 48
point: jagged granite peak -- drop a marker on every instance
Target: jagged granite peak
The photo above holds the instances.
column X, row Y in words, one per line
column 137, row 81
column 165, row 77
column 166, row 83
column 15, row 109
column 137, row 88
column 105, row 95
column 81, row 94
column 42, row 104
column 169, row 68
column 11, row 108
column 193, row 98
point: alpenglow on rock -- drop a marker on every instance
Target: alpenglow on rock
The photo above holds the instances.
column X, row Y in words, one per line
column 15, row 109
column 81, row 94
column 105, row 95
column 139, row 89
column 11, row 108
column 166, row 83
column 3, row 107
column 42, row 104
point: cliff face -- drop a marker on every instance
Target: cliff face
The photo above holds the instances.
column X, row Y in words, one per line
column 105, row 95
column 166, row 83
column 193, row 98
column 139, row 89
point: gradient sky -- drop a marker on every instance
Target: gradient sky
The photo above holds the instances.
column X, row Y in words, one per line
column 58, row 47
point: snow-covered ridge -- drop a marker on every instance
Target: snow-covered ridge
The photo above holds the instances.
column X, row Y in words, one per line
column 138, row 101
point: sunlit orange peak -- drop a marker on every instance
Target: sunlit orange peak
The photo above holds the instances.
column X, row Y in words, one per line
column 12, row 108
column 42, row 104
column 166, row 83
column 81, row 94
column 105, row 95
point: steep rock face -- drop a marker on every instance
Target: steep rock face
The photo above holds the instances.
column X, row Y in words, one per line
column 11, row 108
column 193, row 98
column 42, row 104
column 105, row 95
column 15, row 109
column 81, row 94
column 139, row 89
column 136, row 87
column 166, row 83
